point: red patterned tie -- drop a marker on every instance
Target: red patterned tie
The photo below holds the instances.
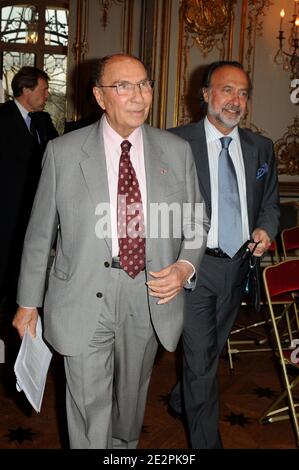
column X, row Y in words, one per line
column 130, row 219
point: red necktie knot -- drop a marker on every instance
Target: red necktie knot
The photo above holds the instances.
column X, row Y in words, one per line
column 125, row 146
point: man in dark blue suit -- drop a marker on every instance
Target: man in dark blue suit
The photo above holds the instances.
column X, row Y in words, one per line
column 212, row 307
column 25, row 130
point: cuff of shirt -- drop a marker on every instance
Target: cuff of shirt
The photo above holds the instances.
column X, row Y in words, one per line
column 190, row 283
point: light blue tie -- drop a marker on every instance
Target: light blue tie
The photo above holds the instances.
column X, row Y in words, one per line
column 28, row 121
column 229, row 208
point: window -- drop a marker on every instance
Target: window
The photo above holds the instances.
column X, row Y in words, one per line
column 36, row 34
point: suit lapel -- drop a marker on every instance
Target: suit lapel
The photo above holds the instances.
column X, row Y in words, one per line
column 95, row 170
column 250, row 157
column 156, row 171
column 197, row 140
column 21, row 122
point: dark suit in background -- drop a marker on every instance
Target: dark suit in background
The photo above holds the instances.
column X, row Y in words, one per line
column 212, row 307
column 20, row 167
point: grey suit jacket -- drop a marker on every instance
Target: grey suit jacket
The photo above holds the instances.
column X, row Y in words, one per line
column 260, row 174
column 73, row 183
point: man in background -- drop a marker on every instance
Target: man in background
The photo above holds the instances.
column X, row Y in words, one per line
column 238, row 180
column 25, row 131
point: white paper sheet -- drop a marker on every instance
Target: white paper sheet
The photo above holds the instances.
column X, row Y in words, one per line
column 32, row 365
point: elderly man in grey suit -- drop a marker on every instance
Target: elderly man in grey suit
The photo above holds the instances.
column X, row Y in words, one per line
column 116, row 286
column 238, row 180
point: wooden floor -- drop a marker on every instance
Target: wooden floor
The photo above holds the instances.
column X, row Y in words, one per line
column 245, row 395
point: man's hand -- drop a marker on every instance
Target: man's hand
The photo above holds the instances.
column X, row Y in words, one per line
column 25, row 317
column 261, row 236
column 168, row 282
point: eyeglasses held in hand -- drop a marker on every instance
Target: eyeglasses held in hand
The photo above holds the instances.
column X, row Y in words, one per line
column 128, row 88
column 247, row 253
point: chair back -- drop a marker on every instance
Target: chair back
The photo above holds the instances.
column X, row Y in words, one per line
column 290, row 240
column 281, row 278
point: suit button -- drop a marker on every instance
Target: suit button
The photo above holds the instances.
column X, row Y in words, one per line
column 106, row 264
column 99, row 295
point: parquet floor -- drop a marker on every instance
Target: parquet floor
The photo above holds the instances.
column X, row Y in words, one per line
column 245, row 395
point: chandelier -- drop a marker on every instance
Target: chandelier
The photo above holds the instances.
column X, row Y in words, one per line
column 288, row 55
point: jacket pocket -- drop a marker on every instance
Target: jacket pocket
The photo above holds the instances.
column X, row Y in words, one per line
column 57, row 272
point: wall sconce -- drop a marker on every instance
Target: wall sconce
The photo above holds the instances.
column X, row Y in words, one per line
column 289, row 59
column 32, row 26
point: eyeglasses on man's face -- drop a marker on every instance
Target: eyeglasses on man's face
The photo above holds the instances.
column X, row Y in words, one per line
column 128, row 88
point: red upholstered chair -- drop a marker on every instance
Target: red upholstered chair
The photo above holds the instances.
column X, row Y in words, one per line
column 290, row 242
column 281, row 283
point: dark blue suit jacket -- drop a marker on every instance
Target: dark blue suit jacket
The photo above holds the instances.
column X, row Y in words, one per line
column 20, row 167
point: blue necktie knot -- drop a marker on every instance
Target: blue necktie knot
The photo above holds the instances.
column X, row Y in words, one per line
column 225, row 141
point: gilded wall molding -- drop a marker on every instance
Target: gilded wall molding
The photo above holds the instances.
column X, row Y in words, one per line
column 230, row 33
column 184, row 116
column 176, row 114
column 79, row 49
column 287, row 150
column 80, row 45
column 252, row 29
column 164, row 62
column 149, row 52
column 256, row 13
column 243, row 30
column 128, row 26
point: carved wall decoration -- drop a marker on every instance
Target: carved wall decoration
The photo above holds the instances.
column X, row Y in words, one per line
column 256, row 12
column 207, row 21
column 287, row 150
column 105, row 6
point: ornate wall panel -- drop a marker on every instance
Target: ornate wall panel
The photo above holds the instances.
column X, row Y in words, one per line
column 249, row 34
column 151, row 32
column 205, row 31
column 97, row 28
column 177, row 39
column 271, row 111
column 207, row 22
column 287, row 150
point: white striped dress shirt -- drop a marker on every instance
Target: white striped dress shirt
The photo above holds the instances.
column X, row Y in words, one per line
column 214, row 147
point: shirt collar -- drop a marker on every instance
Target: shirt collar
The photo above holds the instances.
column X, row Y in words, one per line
column 113, row 139
column 213, row 134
